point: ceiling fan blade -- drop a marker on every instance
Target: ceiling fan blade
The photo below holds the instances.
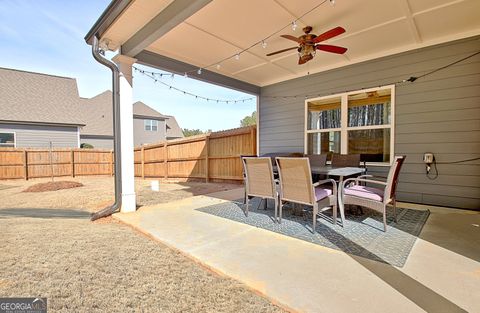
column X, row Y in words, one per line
column 291, row 38
column 332, row 49
column 329, row 34
column 280, row 51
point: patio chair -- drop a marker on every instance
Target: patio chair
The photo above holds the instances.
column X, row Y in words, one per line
column 259, row 181
column 243, row 175
column 371, row 197
column 345, row 160
column 296, row 186
column 317, row 159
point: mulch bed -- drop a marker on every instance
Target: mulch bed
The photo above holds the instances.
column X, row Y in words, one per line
column 53, row 186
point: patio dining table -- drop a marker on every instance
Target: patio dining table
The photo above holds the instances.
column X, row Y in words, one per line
column 339, row 172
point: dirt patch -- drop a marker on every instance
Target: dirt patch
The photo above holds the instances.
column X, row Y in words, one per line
column 53, row 186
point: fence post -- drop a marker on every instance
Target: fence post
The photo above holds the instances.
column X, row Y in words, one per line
column 207, row 152
column 165, row 162
column 253, row 139
column 111, row 163
column 72, row 161
column 25, row 163
column 143, row 162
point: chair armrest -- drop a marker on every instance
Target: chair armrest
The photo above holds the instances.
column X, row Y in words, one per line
column 327, row 181
column 378, row 178
column 356, row 180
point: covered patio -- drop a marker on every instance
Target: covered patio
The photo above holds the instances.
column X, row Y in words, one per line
column 417, row 61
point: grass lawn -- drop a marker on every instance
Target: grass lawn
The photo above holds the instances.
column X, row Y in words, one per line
column 104, row 266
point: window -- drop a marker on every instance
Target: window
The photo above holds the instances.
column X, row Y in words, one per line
column 7, row 140
column 354, row 122
column 151, row 125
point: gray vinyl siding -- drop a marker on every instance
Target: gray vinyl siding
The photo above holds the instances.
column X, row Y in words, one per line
column 40, row 136
column 142, row 136
column 97, row 142
column 439, row 113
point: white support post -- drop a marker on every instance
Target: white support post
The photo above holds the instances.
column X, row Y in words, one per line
column 126, row 121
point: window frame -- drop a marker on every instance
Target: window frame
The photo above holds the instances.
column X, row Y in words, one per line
column 2, row 145
column 150, row 123
column 344, row 122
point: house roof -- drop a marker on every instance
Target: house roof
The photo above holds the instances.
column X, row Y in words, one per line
column 97, row 111
column 173, row 129
column 154, row 33
column 55, row 99
column 140, row 109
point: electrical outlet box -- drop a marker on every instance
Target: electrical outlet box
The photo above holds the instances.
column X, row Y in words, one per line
column 428, row 158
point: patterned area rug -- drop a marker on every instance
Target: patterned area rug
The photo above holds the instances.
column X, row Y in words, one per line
column 362, row 236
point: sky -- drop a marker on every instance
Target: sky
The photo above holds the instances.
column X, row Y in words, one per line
column 47, row 36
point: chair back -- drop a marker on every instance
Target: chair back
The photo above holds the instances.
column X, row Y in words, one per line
column 259, row 177
column 345, row 160
column 317, row 159
column 295, row 180
column 392, row 179
column 273, row 155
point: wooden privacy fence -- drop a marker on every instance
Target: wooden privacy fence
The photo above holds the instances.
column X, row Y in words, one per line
column 36, row 163
column 212, row 156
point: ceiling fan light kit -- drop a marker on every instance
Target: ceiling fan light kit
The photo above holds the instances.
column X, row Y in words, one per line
column 308, row 44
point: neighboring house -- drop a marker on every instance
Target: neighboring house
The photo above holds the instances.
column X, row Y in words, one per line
column 37, row 110
column 149, row 126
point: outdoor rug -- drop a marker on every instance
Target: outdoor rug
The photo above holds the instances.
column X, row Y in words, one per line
column 362, row 236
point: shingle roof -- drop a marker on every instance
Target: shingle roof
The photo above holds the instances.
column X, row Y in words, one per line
column 141, row 109
column 173, row 129
column 55, row 98
column 98, row 111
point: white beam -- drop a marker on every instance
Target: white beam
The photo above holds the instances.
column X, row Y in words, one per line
column 410, row 20
column 174, row 14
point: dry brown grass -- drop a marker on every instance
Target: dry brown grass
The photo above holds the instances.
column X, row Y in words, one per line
column 52, row 250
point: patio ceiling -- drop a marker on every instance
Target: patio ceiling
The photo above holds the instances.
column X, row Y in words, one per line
column 202, row 32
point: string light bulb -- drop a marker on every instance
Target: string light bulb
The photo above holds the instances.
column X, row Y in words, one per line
column 294, row 25
column 264, row 44
column 237, row 56
column 332, row 3
column 185, row 75
column 199, row 71
column 218, row 66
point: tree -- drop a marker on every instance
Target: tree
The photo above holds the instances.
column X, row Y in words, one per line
column 249, row 120
column 192, row 132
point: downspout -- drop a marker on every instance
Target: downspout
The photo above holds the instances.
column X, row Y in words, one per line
column 98, row 55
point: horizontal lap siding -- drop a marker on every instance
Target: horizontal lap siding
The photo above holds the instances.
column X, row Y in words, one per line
column 40, row 136
column 439, row 113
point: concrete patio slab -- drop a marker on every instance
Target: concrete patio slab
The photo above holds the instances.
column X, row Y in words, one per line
column 310, row 278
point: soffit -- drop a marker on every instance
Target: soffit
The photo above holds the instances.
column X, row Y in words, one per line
column 374, row 28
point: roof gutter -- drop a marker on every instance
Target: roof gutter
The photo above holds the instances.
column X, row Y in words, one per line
column 97, row 54
column 108, row 17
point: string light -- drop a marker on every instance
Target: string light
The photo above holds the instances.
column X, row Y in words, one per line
column 218, row 66
column 294, row 25
column 153, row 75
column 199, row 72
column 262, row 42
column 411, row 79
column 332, row 3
